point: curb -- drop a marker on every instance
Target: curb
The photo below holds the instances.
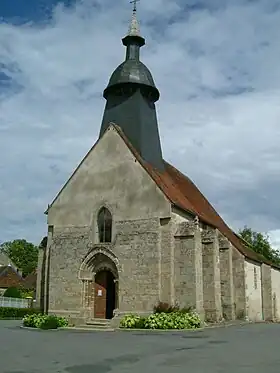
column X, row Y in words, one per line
column 187, row 330
column 40, row 330
column 73, row 328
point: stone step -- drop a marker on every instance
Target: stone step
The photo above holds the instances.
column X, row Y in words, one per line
column 95, row 328
column 98, row 323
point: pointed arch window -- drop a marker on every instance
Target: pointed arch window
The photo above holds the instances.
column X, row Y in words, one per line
column 104, row 221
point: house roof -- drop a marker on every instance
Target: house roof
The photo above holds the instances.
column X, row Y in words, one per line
column 3, row 269
column 9, row 277
column 5, row 260
column 185, row 195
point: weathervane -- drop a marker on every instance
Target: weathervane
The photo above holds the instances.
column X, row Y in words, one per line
column 134, row 2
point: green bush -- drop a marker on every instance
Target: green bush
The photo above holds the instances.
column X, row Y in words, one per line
column 132, row 322
column 12, row 292
column 26, row 293
column 44, row 321
column 163, row 320
column 15, row 313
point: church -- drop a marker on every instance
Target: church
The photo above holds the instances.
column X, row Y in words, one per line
column 128, row 229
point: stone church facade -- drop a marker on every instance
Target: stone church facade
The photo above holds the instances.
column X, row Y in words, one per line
column 128, row 229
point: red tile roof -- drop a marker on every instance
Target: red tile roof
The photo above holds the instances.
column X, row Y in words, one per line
column 184, row 194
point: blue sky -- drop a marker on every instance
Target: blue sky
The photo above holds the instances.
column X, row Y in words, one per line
column 215, row 62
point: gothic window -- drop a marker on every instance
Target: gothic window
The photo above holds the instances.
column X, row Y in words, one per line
column 104, row 222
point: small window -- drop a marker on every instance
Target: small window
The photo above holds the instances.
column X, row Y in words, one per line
column 104, row 222
column 255, row 278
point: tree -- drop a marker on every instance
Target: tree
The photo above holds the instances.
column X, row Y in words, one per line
column 259, row 242
column 23, row 254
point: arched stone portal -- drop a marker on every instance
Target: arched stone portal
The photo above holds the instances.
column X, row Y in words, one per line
column 99, row 274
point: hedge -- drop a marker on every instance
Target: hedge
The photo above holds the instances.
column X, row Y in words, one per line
column 44, row 321
column 15, row 313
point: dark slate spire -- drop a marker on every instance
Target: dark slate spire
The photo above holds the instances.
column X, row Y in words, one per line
column 131, row 95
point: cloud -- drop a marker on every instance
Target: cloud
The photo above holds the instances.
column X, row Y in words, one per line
column 219, row 77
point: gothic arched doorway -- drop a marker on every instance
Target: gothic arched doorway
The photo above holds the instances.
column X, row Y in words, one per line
column 104, row 294
column 99, row 273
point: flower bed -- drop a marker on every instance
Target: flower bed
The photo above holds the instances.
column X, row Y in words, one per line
column 164, row 317
column 40, row 321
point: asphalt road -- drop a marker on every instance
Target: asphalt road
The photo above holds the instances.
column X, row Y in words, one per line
column 237, row 349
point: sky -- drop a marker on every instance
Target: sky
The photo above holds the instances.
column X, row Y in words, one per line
column 215, row 62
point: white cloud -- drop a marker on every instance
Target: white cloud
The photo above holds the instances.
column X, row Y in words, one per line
column 274, row 239
column 219, row 78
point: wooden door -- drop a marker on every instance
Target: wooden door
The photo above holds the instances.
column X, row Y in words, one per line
column 100, row 295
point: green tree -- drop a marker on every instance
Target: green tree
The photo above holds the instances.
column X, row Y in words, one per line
column 22, row 253
column 259, row 242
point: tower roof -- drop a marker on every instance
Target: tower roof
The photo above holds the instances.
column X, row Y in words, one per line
column 131, row 95
column 132, row 70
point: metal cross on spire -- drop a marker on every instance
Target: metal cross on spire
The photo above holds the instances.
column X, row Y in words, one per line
column 134, row 29
column 134, row 2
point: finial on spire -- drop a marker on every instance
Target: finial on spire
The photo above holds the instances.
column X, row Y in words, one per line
column 134, row 29
column 134, row 2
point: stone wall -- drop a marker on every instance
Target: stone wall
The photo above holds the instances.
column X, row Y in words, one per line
column 68, row 247
column 138, row 249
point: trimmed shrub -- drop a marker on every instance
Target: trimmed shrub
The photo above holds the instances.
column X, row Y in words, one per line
column 163, row 320
column 13, row 292
column 132, row 322
column 44, row 321
column 15, row 313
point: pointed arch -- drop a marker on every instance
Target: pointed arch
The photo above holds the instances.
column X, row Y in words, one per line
column 104, row 224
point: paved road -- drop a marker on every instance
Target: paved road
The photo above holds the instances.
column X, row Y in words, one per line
column 246, row 349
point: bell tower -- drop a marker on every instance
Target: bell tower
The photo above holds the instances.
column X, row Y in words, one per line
column 131, row 95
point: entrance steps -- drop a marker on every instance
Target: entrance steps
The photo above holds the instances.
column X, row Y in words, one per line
column 98, row 324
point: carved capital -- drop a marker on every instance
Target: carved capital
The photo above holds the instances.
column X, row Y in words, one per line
column 224, row 243
column 185, row 229
column 209, row 236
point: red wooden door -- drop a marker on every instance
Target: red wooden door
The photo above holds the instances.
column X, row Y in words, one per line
column 100, row 295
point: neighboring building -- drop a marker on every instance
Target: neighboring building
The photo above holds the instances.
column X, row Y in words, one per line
column 128, row 229
column 6, row 261
column 9, row 277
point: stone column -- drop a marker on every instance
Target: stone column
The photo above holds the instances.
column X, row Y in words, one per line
column 211, row 276
column 116, row 282
column 240, row 300
column 267, row 298
column 166, row 262
column 40, row 280
column 226, row 274
column 190, row 238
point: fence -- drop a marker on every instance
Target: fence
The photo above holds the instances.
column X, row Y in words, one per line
column 15, row 302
